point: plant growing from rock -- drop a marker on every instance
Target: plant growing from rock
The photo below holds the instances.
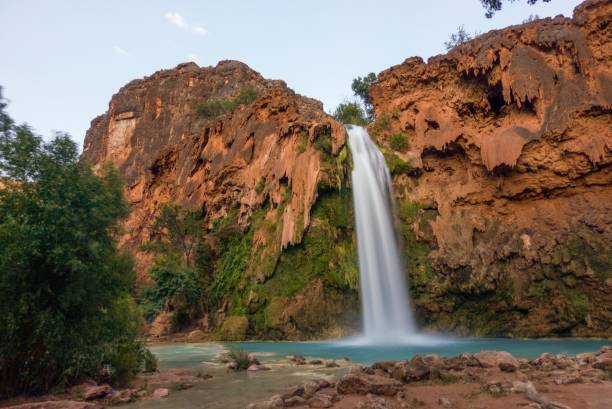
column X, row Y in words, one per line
column 239, row 359
column 216, row 107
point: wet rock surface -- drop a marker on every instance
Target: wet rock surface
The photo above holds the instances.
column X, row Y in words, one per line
column 503, row 177
column 466, row 381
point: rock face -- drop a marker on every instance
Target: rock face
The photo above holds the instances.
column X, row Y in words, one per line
column 264, row 173
column 502, row 153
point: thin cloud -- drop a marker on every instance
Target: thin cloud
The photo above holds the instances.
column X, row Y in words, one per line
column 177, row 20
column 192, row 57
column 199, row 30
column 119, row 51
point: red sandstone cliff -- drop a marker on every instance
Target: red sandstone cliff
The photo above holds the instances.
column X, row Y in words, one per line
column 166, row 153
column 510, row 139
column 269, row 160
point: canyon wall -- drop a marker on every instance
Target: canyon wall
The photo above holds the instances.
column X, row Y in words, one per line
column 269, row 177
column 501, row 151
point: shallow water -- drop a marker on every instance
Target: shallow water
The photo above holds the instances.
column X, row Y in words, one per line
column 231, row 390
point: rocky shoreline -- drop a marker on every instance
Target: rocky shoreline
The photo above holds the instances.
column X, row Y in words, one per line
column 90, row 395
column 484, row 380
column 487, row 379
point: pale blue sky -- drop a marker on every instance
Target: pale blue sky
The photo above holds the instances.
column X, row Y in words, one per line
column 63, row 60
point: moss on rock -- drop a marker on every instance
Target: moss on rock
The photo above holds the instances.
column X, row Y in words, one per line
column 234, row 329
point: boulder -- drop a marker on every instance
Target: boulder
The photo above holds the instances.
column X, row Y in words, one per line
column 445, row 403
column 362, row 384
column 298, row 359
column 603, row 360
column 97, row 392
column 490, row 359
column 196, row 335
column 160, row 393
column 295, row 401
column 386, row 366
column 321, row 400
column 124, row 396
column 256, row 368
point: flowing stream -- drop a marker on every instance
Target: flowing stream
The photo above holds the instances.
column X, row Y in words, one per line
column 387, row 316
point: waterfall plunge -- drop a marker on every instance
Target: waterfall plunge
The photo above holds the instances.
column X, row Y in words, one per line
column 387, row 317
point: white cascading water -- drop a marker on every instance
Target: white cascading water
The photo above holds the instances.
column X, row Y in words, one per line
column 387, row 316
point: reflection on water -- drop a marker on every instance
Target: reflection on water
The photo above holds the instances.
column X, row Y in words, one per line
column 229, row 390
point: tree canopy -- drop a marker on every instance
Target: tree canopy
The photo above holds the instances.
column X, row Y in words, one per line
column 491, row 6
column 361, row 88
column 65, row 308
column 350, row 113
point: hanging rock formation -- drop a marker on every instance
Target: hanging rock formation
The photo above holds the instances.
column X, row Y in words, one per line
column 502, row 154
column 258, row 168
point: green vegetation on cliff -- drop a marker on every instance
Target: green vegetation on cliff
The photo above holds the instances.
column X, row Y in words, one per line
column 350, row 113
column 65, row 308
column 213, row 108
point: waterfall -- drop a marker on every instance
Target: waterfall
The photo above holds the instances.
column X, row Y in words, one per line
column 387, row 316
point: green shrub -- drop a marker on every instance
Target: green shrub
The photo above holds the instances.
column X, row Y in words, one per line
column 240, row 357
column 396, row 165
column 323, row 144
column 234, row 328
column 399, row 142
column 216, row 107
column 259, row 187
column 175, row 288
column 150, row 362
column 350, row 113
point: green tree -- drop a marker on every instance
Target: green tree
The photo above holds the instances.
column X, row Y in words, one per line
column 65, row 308
column 350, row 113
column 182, row 268
column 177, row 232
column 361, row 88
column 491, row 6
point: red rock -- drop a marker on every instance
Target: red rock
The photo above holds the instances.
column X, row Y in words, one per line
column 363, row 384
column 161, row 393
column 490, row 359
column 262, row 156
column 57, row 404
column 97, row 392
column 510, row 139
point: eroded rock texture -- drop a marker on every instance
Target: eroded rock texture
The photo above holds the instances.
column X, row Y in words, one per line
column 258, row 170
column 509, row 182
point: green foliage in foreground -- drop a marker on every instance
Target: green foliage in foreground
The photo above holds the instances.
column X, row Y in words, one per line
column 350, row 113
column 216, row 107
column 65, row 308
